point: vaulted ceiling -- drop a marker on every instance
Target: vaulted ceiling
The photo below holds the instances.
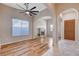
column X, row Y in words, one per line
column 39, row 6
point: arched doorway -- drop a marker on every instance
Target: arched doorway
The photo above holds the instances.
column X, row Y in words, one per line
column 42, row 23
column 68, row 24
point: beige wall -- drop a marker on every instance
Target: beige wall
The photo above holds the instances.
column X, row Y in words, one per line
column 64, row 6
column 6, row 15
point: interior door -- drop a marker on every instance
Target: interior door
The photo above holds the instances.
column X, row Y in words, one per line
column 69, row 29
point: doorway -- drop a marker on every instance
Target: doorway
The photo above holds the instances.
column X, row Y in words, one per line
column 69, row 27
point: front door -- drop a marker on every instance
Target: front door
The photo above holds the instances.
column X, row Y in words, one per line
column 69, row 29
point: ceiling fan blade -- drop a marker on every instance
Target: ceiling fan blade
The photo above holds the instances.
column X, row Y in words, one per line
column 30, row 14
column 20, row 7
column 34, row 11
column 32, row 8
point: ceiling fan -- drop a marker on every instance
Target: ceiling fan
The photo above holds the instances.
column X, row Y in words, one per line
column 27, row 11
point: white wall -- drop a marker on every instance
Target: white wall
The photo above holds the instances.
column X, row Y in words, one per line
column 49, row 22
column 39, row 23
column 40, row 20
column 52, row 7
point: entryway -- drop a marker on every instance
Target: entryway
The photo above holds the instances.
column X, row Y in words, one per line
column 68, row 20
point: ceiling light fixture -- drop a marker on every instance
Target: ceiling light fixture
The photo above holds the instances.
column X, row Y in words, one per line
column 27, row 11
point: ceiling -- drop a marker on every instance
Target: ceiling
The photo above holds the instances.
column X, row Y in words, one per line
column 39, row 6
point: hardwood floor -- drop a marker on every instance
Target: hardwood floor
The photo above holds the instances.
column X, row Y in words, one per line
column 32, row 47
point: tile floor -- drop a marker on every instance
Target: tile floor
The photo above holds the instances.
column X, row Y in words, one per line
column 64, row 48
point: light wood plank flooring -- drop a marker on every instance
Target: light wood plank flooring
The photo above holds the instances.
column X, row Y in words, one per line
column 32, row 47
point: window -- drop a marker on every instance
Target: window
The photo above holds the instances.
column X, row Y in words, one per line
column 20, row 27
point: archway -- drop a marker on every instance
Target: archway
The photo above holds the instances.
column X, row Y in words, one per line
column 42, row 23
column 68, row 14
